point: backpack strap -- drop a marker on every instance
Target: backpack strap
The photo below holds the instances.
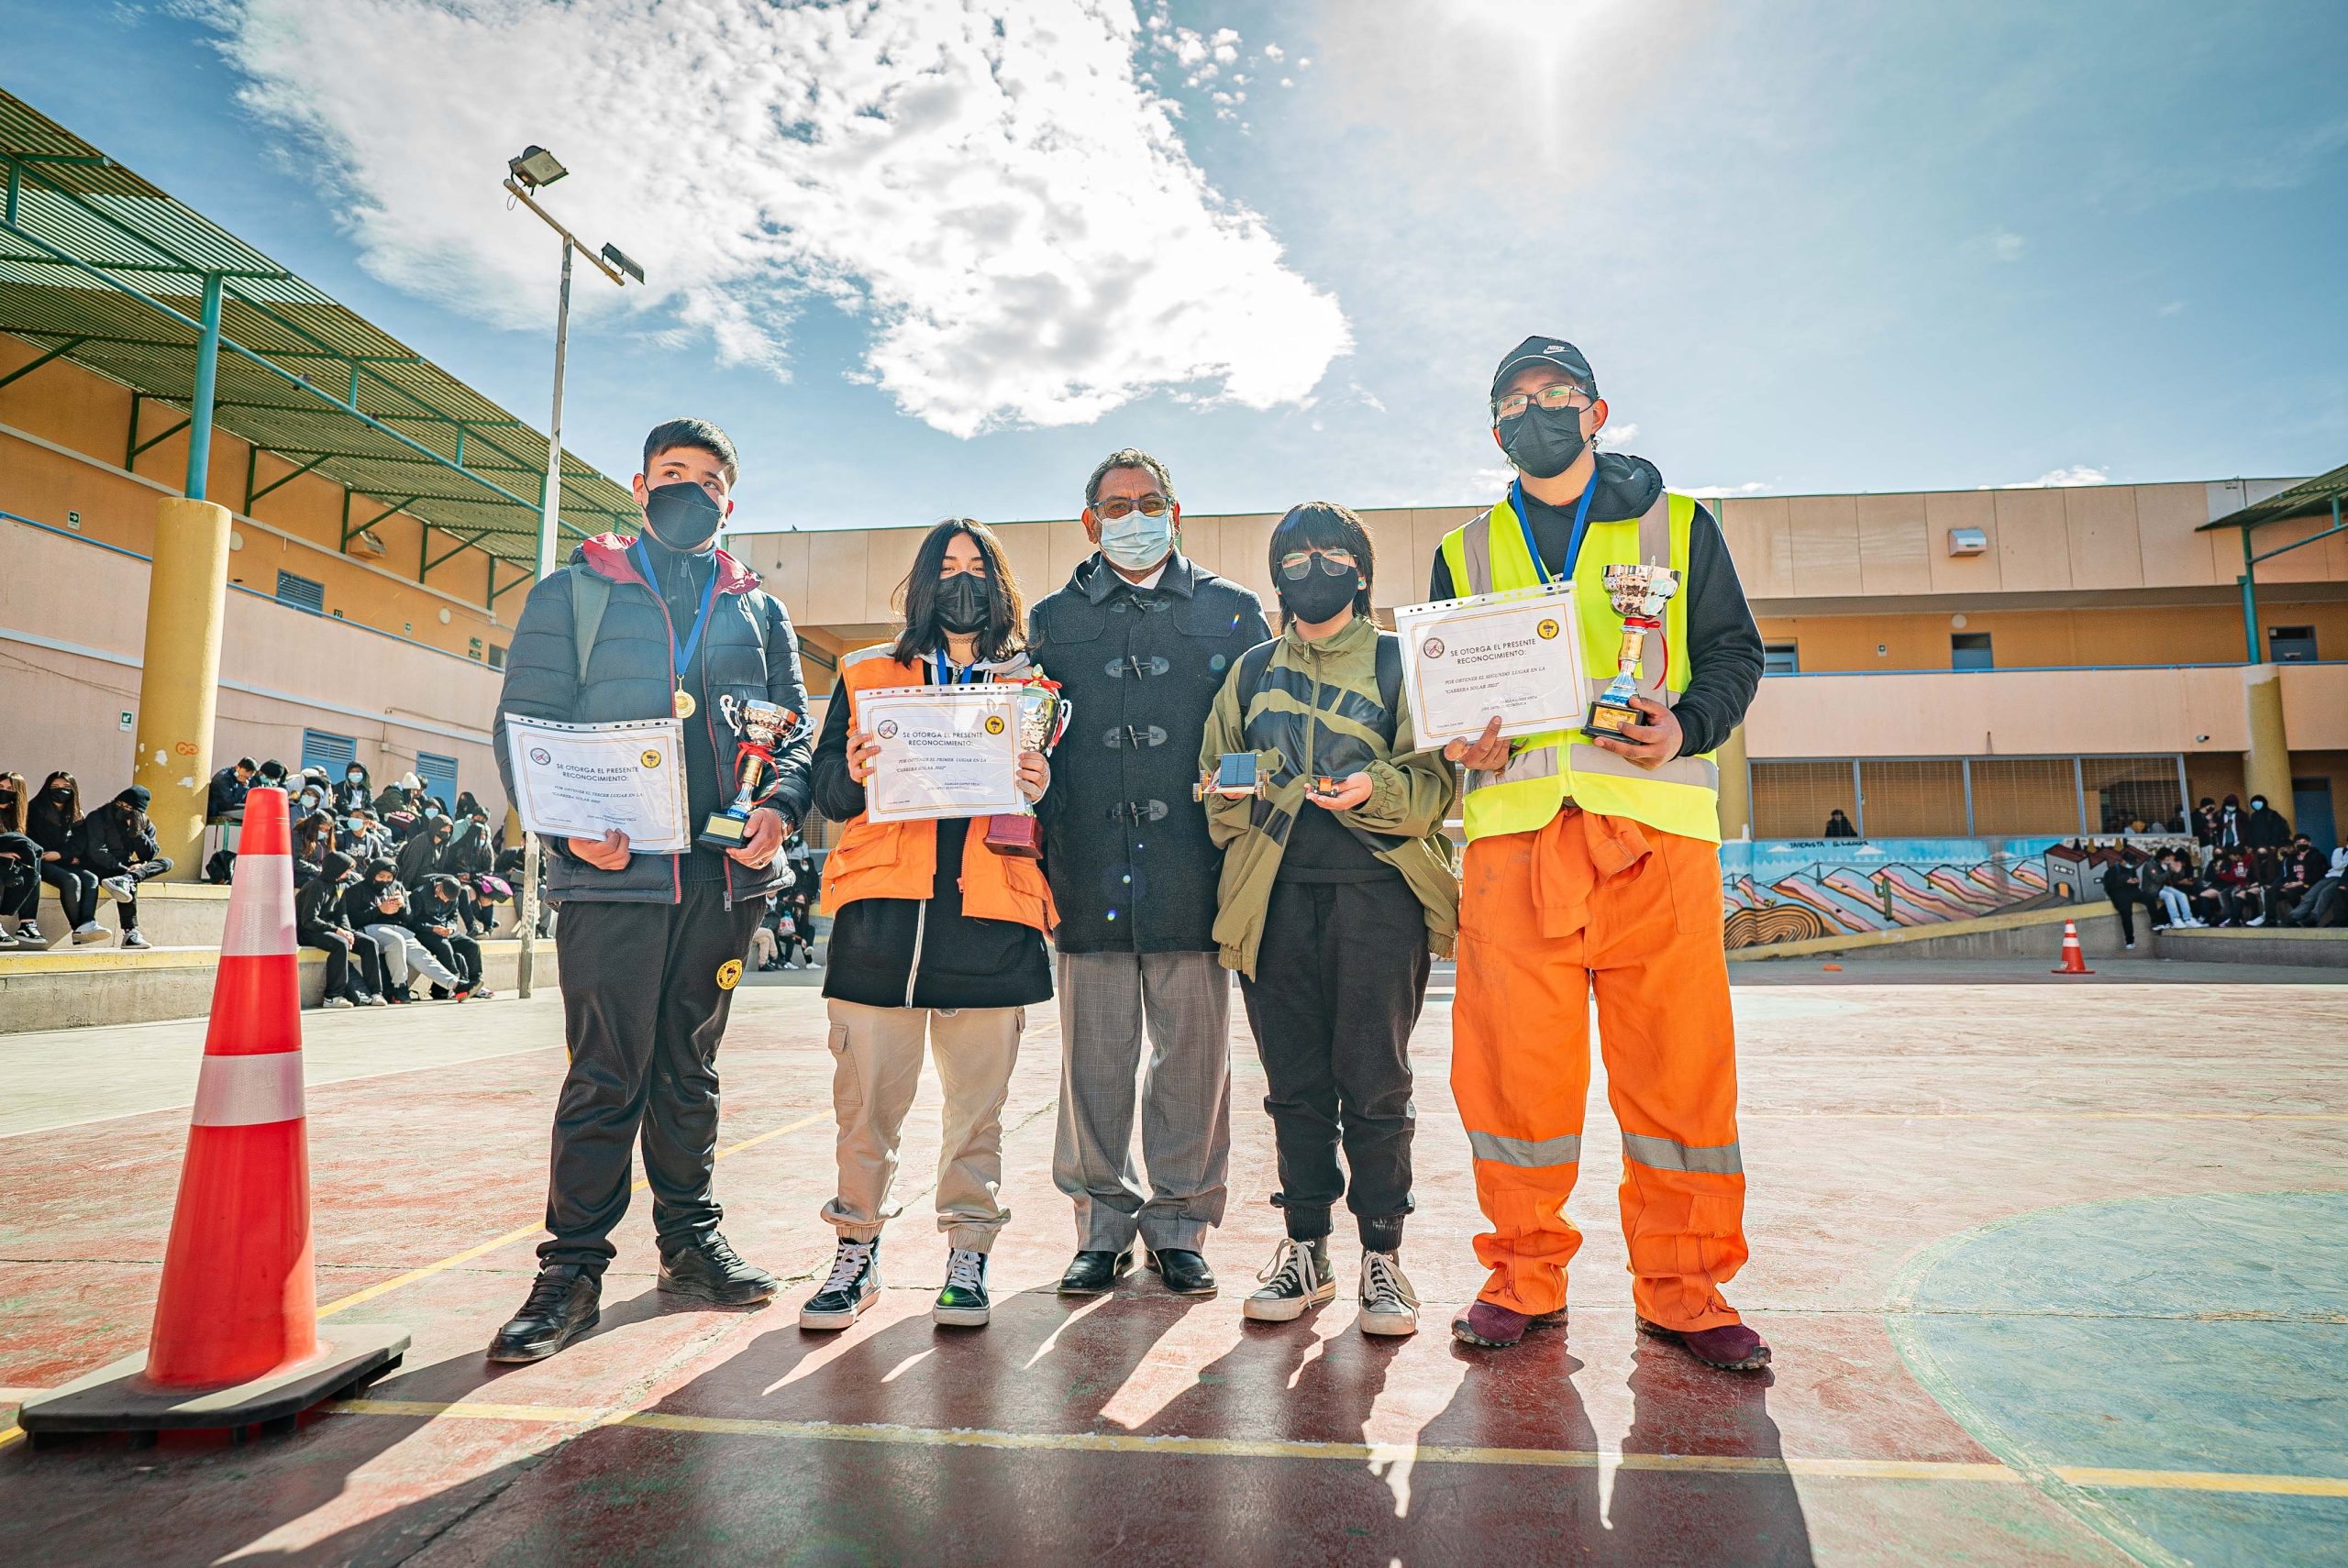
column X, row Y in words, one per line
column 1390, row 681
column 591, row 595
column 1253, row 664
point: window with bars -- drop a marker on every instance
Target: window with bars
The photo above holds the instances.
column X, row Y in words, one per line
column 1985, row 797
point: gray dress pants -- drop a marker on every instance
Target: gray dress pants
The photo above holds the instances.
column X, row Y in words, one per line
column 1182, row 1001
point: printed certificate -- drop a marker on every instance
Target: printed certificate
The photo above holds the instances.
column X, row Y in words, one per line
column 946, row 751
column 1517, row 655
column 583, row 780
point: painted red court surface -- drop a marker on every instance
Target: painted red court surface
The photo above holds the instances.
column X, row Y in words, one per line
column 2053, row 1276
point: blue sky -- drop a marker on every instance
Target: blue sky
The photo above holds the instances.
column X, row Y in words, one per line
column 924, row 259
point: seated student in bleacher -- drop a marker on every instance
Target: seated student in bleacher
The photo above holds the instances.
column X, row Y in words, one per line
column 314, row 840
column 117, row 842
column 467, row 852
column 224, row 796
column 20, row 871
column 387, row 919
column 438, row 918
column 398, row 805
column 351, row 791
column 318, row 922
column 50, row 822
column 419, row 856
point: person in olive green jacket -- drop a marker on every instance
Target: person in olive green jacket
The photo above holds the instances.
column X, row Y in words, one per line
column 1336, row 881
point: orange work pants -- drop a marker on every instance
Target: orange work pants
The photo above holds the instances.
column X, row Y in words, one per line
column 1606, row 902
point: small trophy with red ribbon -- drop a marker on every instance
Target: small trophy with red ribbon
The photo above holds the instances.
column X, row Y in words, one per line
column 761, row 726
column 1043, row 714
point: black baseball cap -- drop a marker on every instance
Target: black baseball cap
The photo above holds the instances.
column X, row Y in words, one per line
column 1539, row 350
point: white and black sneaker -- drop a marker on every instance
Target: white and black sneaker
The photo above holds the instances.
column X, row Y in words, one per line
column 133, row 939
column 1297, row 1277
column 1389, row 1305
column 854, row 1285
column 963, row 1304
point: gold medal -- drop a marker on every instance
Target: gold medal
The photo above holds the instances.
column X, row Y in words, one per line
column 684, row 703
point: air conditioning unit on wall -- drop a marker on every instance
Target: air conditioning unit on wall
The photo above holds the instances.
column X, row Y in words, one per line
column 367, row 543
column 1968, row 541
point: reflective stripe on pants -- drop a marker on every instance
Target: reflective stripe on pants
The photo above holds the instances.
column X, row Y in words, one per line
column 1538, row 930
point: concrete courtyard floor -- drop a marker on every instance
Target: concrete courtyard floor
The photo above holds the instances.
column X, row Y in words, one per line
column 2054, row 1274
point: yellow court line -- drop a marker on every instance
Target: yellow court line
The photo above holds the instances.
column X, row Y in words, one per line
column 454, row 1260
column 1941, row 1471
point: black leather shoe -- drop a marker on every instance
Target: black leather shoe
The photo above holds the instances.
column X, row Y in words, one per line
column 1094, row 1273
column 562, row 1305
column 709, row 1271
column 1184, row 1272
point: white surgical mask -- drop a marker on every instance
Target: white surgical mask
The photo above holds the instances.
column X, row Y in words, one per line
column 1137, row 541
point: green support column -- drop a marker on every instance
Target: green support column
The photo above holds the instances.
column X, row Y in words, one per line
column 199, row 408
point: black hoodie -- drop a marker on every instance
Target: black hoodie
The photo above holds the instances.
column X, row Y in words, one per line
column 1724, row 646
column 318, row 902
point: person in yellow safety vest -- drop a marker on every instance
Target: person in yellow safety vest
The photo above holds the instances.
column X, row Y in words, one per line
column 1594, row 864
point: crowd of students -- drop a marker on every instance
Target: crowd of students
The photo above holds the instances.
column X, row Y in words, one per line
column 2246, row 869
column 46, row 840
column 394, row 885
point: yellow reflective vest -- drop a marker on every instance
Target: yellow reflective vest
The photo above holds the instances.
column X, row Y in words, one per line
column 1682, row 796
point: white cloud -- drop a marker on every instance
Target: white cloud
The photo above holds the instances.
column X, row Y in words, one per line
column 1716, row 492
column 2007, row 245
column 2173, row 307
column 1273, row 52
column 1619, row 435
column 969, row 179
column 2076, row 474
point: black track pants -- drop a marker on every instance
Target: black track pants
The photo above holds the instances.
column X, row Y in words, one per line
column 643, row 1010
column 1339, row 980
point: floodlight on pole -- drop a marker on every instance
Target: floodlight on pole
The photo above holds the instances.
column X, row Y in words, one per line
column 536, row 167
column 534, row 170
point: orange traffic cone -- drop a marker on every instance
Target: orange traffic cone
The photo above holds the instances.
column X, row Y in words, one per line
column 236, row 1333
column 2074, row 957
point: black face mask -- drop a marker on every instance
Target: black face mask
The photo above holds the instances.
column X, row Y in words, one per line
column 1319, row 596
column 1544, row 442
column 682, row 515
column 963, row 605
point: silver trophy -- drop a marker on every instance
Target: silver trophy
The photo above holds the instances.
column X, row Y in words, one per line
column 1043, row 714
column 1639, row 594
column 760, row 725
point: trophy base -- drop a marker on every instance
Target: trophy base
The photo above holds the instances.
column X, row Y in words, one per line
column 1609, row 716
column 723, row 831
column 1021, row 837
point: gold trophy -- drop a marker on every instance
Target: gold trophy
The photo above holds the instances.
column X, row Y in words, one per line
column 761, row 725
column 1639, row 594
column 1043, row 714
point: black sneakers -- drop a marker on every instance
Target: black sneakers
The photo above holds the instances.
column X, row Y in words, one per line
column 709, row 1271
column 963, row 1303
column 854, row 1285
column 1298, row 1277
column 562, row 1306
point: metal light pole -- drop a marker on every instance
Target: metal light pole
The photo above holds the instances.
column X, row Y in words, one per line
column 533, row 170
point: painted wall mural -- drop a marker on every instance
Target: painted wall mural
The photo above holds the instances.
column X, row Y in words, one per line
column 1793, row 889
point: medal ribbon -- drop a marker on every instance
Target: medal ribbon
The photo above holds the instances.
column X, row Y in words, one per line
column 684, row 651
column 1573, row 545
column 948, row 675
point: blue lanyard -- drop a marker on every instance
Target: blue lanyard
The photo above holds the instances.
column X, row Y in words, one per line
column 684, row 651
column 1573, row 546
column 948, row 675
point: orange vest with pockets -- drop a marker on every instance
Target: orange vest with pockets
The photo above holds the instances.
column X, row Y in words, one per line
column 899, row 860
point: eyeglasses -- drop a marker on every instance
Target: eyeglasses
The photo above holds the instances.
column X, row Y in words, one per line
column 1151, row 505
column 1297, row 563
column 1560, row 395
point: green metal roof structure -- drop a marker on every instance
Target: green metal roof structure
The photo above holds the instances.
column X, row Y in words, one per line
column 2308, row 498
column 99, row 268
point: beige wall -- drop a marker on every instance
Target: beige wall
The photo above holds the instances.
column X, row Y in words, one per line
column 2029, row 713
column 73, row 619
column 63, row 435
